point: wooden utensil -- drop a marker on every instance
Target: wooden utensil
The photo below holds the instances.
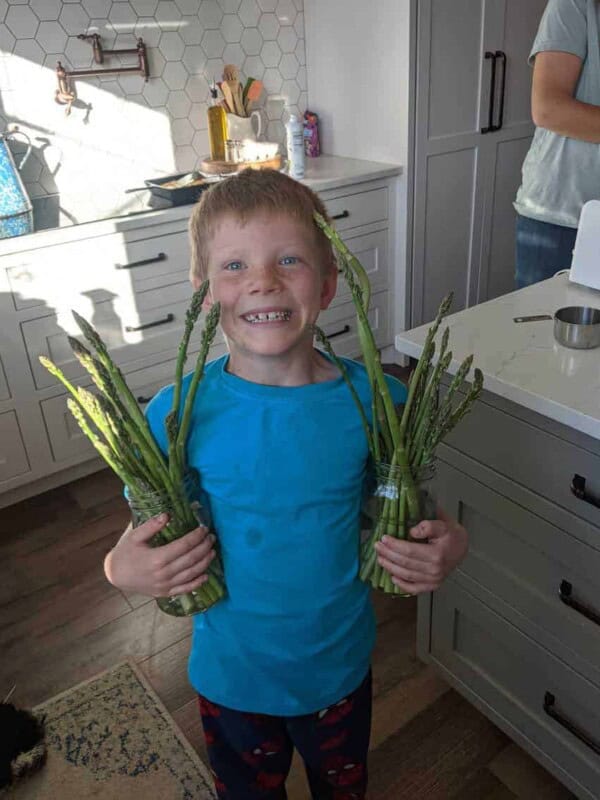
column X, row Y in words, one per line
column 231, row 77
column 228, row 95
column 231, row 73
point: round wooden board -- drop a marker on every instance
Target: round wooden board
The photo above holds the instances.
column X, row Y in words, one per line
column 215, row 167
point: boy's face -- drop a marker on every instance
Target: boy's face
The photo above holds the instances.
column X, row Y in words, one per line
column 271, row 284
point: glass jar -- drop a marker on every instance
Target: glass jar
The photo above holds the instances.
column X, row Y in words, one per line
column 185, row 513
column 396, row 502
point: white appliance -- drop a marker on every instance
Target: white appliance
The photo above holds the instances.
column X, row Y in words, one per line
column 585, row 267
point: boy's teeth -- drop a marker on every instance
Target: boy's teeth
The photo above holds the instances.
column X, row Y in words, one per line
column 268, row 316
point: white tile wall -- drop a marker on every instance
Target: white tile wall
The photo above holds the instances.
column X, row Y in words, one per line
column 122, row 130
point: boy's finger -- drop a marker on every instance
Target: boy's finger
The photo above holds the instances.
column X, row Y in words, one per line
column 150, row 528
column 402, row 547
column 413, row 588
column 188, row 587
column 193, row 573
column 190, row 559
column 406, row 562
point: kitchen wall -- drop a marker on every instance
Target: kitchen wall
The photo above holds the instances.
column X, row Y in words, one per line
column 360, row 74
column 122, row 130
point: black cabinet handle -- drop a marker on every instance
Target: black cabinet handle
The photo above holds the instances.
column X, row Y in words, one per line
column 502, row 56
column 566, row 595
column 342, row 215
column 345, row 329
column 578, row 489
column 550, row 709
column 143, row 400
column 490, row 126
column 134, row 264
column 167, row 319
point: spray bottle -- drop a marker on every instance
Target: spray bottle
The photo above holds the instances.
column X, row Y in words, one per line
column 295, row 147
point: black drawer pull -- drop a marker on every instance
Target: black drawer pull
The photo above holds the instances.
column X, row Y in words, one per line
column 490, row 127
column 584, row 737
column 342, row 215
column 165, row 321
column 143, row 400
column 566, row 595
column 134, row 264
column 345, row 329
column 578, row 489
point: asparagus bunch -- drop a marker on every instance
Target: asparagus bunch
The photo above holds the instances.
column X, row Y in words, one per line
column 401, row 441
column 117, row 428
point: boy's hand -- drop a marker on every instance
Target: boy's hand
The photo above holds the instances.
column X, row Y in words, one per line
column 174, row 568
column 418, row 567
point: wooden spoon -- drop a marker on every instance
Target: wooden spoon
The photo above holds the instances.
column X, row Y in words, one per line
column 231, row 77
column 228, row 95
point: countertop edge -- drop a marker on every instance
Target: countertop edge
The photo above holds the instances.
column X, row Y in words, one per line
column 343, row 172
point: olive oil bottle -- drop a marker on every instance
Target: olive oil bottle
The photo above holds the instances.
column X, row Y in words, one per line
column 217, row 127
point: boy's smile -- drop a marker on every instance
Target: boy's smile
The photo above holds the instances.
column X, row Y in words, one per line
column 271, row 283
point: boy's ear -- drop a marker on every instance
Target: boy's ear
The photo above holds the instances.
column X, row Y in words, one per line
column 329, row 286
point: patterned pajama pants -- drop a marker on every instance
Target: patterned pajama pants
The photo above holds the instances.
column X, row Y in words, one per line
column 250, row 754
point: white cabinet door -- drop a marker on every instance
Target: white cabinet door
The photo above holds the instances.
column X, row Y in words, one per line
column 507, row 148
column 465, row 175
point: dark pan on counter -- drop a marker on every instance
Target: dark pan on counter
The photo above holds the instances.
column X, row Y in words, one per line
column 177, row 196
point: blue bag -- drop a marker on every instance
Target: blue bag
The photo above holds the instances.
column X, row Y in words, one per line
column 16, row 211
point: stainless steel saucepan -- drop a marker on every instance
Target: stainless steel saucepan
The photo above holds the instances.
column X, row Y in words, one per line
column 577, row 327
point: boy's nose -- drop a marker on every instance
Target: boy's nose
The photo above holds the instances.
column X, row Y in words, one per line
column 265, row 279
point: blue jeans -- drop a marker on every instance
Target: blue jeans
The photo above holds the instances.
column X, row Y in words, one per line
column 542, row 249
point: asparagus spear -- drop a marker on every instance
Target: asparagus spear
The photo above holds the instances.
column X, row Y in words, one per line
column 407, row 442
column 120, row 433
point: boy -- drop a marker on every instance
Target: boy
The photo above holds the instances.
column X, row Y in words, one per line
column 283, row 660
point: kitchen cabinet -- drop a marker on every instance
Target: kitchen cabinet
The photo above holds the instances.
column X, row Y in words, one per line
column 468, row 161
column 130, row 279
column 516, row 628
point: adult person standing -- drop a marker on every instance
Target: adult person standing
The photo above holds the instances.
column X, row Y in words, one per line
column 562, row 168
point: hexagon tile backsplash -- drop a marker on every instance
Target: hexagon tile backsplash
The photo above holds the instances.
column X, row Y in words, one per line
column 121, row 129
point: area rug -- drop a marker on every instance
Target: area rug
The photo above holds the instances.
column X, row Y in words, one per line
column 111, row 737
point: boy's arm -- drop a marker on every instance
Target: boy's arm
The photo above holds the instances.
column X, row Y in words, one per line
column 418, row 567
column 133, row 565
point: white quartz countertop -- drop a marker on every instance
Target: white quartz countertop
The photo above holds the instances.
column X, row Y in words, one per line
column 522, row 361
column 333, row 172
column 321, row 173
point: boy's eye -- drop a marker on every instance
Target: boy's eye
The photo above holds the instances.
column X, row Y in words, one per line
column 288, row 261
column 233, row 266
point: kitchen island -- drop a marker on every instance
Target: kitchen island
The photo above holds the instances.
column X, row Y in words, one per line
column 516, row 629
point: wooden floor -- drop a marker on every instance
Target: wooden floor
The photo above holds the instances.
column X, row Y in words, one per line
column 62, row 622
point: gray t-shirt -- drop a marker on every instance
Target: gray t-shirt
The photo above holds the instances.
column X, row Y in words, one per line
column 559, row 173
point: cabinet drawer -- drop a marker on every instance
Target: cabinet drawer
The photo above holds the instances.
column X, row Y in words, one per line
column 132, row 328
column 525, row 561
column 58, row 276
column 371, row 249
column 362, row 208
column 67, row 441
column 13, row 456
column 535, row 458
column 155, row 261
column 339, row 323
column 514, row 676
